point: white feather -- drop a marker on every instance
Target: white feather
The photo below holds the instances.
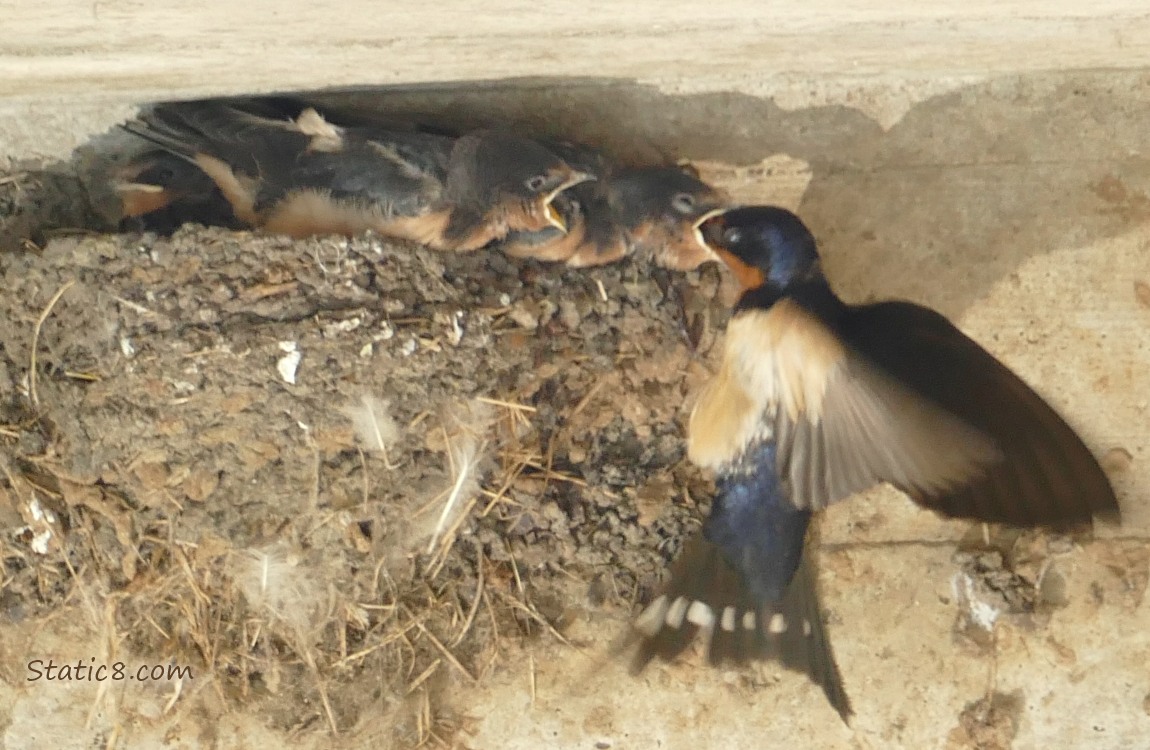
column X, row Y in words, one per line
column 373, row 424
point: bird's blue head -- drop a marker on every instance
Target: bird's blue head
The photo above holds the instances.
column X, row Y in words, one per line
column 765, row 246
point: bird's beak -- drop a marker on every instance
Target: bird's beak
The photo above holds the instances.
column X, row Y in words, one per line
column 708, row 230
column 554, row 218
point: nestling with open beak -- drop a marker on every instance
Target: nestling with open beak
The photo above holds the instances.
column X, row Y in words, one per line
column 816, row 400
column 651, row 211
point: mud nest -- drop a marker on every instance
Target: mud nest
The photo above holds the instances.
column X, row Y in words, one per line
column 333, row 474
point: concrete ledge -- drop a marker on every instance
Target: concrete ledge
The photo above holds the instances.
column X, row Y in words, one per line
column 182, row 48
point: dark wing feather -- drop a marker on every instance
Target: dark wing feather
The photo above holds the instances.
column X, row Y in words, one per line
column 394, row 172
column 399, row 174
column 248, row 142
column 841, row 424
column 871, row 430
column 1048, row 475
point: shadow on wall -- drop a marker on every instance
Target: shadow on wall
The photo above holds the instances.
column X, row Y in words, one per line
column 964, row 188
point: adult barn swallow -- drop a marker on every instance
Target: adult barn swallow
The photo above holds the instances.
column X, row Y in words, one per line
column 655, row 211
column 308, row 176
column 816, row 400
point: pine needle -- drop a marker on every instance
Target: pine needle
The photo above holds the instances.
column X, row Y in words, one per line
column 464, row 454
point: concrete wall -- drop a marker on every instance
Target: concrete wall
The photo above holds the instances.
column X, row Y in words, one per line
column 98, row 56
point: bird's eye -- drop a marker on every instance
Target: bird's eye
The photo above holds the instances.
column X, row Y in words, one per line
column 732, row 236
column 684, row 203
column 536, row 183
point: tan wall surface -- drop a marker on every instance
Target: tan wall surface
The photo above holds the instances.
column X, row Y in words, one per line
column 93, row 55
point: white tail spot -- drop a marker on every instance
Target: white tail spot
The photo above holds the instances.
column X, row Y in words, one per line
column 728, row 621
column 676, row 612
column 748, row 621
column 778, row 624
column 651, row 619
column 700, row 614
column 806, row 627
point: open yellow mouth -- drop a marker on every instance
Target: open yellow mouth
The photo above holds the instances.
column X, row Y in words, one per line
column 697, row 229
column 554, row 218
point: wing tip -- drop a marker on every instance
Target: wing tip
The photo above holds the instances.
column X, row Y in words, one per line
column 1015, row 498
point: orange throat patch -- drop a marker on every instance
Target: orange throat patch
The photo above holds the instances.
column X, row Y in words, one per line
column 748, row 276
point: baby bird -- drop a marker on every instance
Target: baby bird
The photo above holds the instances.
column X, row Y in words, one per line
column 653, row 211
column 307, row 176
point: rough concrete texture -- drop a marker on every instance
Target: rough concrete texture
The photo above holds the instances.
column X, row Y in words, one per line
column 68, row 68
column 70, row 47
column 1019, row 206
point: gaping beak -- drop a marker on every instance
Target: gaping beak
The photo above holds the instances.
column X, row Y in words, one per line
column 709, row 230
column 554, row 217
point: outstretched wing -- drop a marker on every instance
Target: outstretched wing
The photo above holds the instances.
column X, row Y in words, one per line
column 1047, row 475
column 841, row 423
